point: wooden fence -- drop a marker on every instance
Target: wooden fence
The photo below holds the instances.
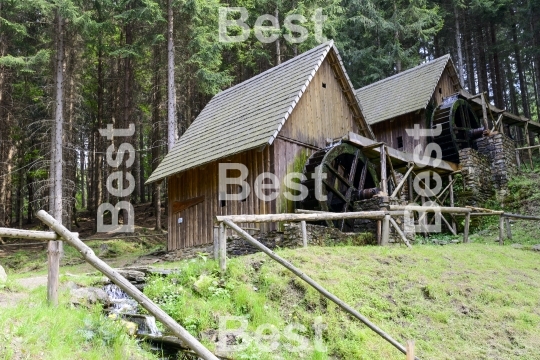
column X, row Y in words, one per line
column 54, row 254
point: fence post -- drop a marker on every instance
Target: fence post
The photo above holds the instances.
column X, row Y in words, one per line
column 501, row 230
column 466, row 228
column 222, row 248
column 410, row 350
column 508, row 229
column 304, row 233
column 385, row 230
column 54, row 253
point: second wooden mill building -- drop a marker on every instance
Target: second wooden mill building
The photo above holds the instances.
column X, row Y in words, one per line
column 269, row 123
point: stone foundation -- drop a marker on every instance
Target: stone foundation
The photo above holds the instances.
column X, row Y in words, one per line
column 291, row 237
column 501, row 152
column 476, row 172
column 381, row 203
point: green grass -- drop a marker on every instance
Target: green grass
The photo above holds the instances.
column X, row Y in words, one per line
column 34, row 330
column 469, row 301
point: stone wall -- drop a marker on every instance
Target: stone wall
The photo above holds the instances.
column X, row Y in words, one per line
column 291, row 237
column 381, row 203
column 476, row 172
column 501, row 152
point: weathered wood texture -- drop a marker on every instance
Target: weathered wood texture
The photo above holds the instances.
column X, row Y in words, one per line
column 389, row 131
column 54, row 254
column 197, row 226
column 322, row 112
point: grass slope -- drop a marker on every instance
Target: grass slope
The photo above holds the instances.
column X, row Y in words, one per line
column 470, row 301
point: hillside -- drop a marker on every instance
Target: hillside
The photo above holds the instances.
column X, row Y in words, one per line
column 459, row 301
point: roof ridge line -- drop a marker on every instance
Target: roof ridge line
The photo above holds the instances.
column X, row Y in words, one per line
column 270, row 69
column 329, row 45
column 438, row 79
column 403, row 73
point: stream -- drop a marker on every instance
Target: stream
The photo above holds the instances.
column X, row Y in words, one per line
column 167, row 347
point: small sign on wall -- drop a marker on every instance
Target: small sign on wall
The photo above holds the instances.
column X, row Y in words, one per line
column 180, row 220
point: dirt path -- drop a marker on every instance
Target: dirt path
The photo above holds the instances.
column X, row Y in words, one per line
column 11, row 299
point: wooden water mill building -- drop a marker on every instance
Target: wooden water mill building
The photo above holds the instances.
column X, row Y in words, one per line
column 266, row 123
column 305, row 113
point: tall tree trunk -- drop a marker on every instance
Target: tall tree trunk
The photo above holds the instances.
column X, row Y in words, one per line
column 142, row 195
column 58, row 120
column 278, row 43
column 458, row 46
column 511, row 87
column 519, row 68
column 156, row 133
column 172, row 128
column 127, row 114
column 469, row 60
column 498, row 85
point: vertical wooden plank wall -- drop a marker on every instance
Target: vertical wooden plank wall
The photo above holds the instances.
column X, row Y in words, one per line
column 388, row 131
column 198, row 220
column 321, row 113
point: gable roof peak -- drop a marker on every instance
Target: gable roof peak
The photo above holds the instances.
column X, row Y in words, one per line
column 248, row 115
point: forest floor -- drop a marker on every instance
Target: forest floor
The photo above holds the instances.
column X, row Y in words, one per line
column 458, row 301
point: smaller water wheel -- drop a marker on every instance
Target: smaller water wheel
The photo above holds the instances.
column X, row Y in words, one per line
column 349, row 177
column 460, row 127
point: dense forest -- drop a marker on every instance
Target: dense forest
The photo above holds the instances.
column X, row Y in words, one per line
column 69, row 68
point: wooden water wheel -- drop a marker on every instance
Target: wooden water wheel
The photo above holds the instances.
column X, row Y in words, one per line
column 460, row 127
column 349, row 177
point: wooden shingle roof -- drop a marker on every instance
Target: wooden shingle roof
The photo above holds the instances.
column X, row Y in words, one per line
column 250, row 114
column 402, row 93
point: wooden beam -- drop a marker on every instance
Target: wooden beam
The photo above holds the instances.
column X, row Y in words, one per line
column 31, row 234
column 348, row 309
column 400, row 156
column 384, row 183
column 402, row 182
column 442, row 209
column 129, row 288
column 484, row 111
column 302, row 217
column 400, row 233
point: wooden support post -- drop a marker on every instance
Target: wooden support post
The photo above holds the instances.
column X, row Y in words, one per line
column 402, row 182
column 411, row 190
column 451, row 192
column 484, row 112
column 410, row 350
column 518, row 161
column 501, row 230
column 222, row 248
column 466, row 228
column 400, row 233
column 129, row 288
column 54, row 254
column 344, row 306
column 508, row 229
column 379, row 232
column 384, row 182
column 528, row 144
column 304, row 233
column 385, row 234
column 216, row 243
